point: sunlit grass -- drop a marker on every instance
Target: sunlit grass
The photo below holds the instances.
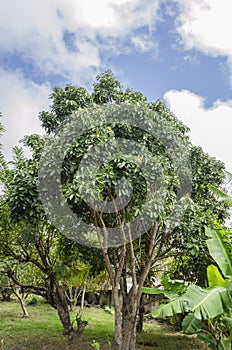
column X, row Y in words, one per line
column 43, row 331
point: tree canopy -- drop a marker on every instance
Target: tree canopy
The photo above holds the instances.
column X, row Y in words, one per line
column 126, row 168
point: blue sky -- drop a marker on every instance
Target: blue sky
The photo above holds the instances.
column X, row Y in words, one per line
column 179, row 51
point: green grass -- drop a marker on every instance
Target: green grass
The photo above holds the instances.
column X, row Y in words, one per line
column 43, row 331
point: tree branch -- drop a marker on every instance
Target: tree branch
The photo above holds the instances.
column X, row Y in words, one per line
column 10, row 274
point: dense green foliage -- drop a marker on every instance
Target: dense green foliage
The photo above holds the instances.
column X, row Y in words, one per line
column 30, row 236
column 209, row 310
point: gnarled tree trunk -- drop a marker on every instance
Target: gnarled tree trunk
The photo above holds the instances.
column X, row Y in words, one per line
column 58, row 300
column 63, row 311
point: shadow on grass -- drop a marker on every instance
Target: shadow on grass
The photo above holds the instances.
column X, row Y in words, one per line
column 43, row 331
column 166, row 340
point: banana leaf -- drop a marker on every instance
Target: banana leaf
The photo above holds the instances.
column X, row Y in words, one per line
column 209, row 340
column 224, row 344
column 203, row 303
column 191, row 324
column 221, row 195
column 177, row 306
column 208, row 303
column 220, row 249
column 228, row 321
column 155, row 291
column 214, row 277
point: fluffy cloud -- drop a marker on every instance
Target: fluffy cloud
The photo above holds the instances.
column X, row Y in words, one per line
column 210, row 128
column 206, row 25
column 36, row 32
column 74, row 38
column 71, row 39
column 109, row 17
column 20, row 101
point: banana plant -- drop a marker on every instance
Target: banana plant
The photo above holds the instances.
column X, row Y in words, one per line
column 220, row 194
column 209, row 310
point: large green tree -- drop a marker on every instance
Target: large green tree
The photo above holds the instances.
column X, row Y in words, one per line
column 109, row 112
column 28, row 240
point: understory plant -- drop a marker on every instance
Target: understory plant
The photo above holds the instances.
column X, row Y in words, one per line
column 208, row 311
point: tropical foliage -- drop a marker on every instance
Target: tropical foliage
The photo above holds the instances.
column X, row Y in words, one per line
column 27, row 235
column 209, row 310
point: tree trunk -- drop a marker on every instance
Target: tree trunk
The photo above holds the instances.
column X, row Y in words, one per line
column 63, row 311
column 126, row 339
column 80, row 326
column 23, row 306
column 128, row 333
column 139, row 326
column 65, row 319
column 117, row 318
column 83, row 298
column 125, row 322
column 22, row 302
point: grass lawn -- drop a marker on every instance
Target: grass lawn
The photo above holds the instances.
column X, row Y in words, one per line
column 43, row 331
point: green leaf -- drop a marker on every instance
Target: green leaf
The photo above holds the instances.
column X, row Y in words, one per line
column 155, row 290
column 220, row 249
column 214, row 277
column 191, row 324
column 177, row 306
column 204, row 303
column 209, row 340
column 224, row 345
column 208, row 303
column 227, row 321
column 221, row 195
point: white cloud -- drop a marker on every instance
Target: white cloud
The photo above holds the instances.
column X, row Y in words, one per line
column 109, row 17
column 206, row 25
column 142, row 43
column 20, row 103
column 35, row 30
column 210, row 128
